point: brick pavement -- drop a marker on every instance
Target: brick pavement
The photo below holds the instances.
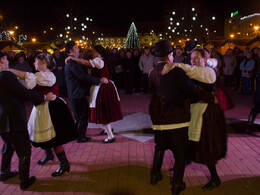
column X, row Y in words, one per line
column 123, row 167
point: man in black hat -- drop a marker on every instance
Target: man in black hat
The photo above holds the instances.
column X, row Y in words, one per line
column 13, row 124
column 78, row 82
column 189, row 46
column 169, row 110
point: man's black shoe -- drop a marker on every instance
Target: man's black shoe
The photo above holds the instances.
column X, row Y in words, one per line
column 155, row 177
column 178, row 188
column 211, row 185
column 83, row 139
column 26, row 184
column 7, row 175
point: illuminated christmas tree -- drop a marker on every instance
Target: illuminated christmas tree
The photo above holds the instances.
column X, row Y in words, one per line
column 132, row 39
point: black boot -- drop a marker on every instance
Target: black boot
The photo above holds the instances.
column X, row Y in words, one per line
column 48, row 156
column 6, row 172
column 178, row 172
column 177, row 188
column 157, row 165
column 64, row 165
column 214, row 181
column 251, row 119
column 24, row 167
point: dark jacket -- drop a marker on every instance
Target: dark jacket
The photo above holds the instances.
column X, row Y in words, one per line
column 12, row 109
column 171, row 95
column 78, row 81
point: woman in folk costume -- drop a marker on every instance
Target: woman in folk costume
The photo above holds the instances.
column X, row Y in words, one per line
column 104, row 99
column 207, row 130
column 50, row 124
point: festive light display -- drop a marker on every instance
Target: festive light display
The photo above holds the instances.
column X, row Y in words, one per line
column 132, row 39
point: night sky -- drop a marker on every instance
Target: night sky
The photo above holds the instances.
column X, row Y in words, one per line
column 34, row 16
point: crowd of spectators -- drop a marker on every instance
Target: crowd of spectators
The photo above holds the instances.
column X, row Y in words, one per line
column 129, row 68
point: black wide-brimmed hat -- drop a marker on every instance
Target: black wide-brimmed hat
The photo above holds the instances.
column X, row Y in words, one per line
column 2, row 54
column 162, row 48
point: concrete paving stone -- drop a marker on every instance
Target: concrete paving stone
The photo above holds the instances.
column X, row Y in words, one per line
column 125, row 165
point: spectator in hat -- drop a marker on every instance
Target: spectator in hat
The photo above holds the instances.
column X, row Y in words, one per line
column 129, row 68
column 189, row 46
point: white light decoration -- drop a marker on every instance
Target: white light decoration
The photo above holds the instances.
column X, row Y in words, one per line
column 67, row 15
column 75, row 28
column 213, row 18
column 99, row 39
column 67, row 36
column 190, row 30
column 170, row 37
column 75, row 19
column 87, row 18
column 195, row 39
column 160, row 37
column 166, row 33
column 178, row 33
column 85, row 26
column 215, row 31
column 82, row 24
column 61, row 35
column 171, row 23
column 193, row 9
column 193, row 18
column 68, row 27
column 90, row 20
column 182, row 18
column 185, row 30
column 83, row 37
column 70, row 39
column 201, row 26
column 177, row 23
column 173, row 13
column 173, row 30
column 250, row 16
column 83, row 29
column 80, row 41
column 169, row 27
column 171, row 19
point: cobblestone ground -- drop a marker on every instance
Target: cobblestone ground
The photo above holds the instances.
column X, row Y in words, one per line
column 123, row 167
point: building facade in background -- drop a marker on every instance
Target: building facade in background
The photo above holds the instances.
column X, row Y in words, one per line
column 242, row 27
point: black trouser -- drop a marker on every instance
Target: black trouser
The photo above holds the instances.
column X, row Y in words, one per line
column 145, row 83
column 18, row 142
column 177, row 141
column 80, row 109
column 228, row 80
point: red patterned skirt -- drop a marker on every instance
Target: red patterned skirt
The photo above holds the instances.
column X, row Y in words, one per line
column 223, row 97
column 108, row 107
